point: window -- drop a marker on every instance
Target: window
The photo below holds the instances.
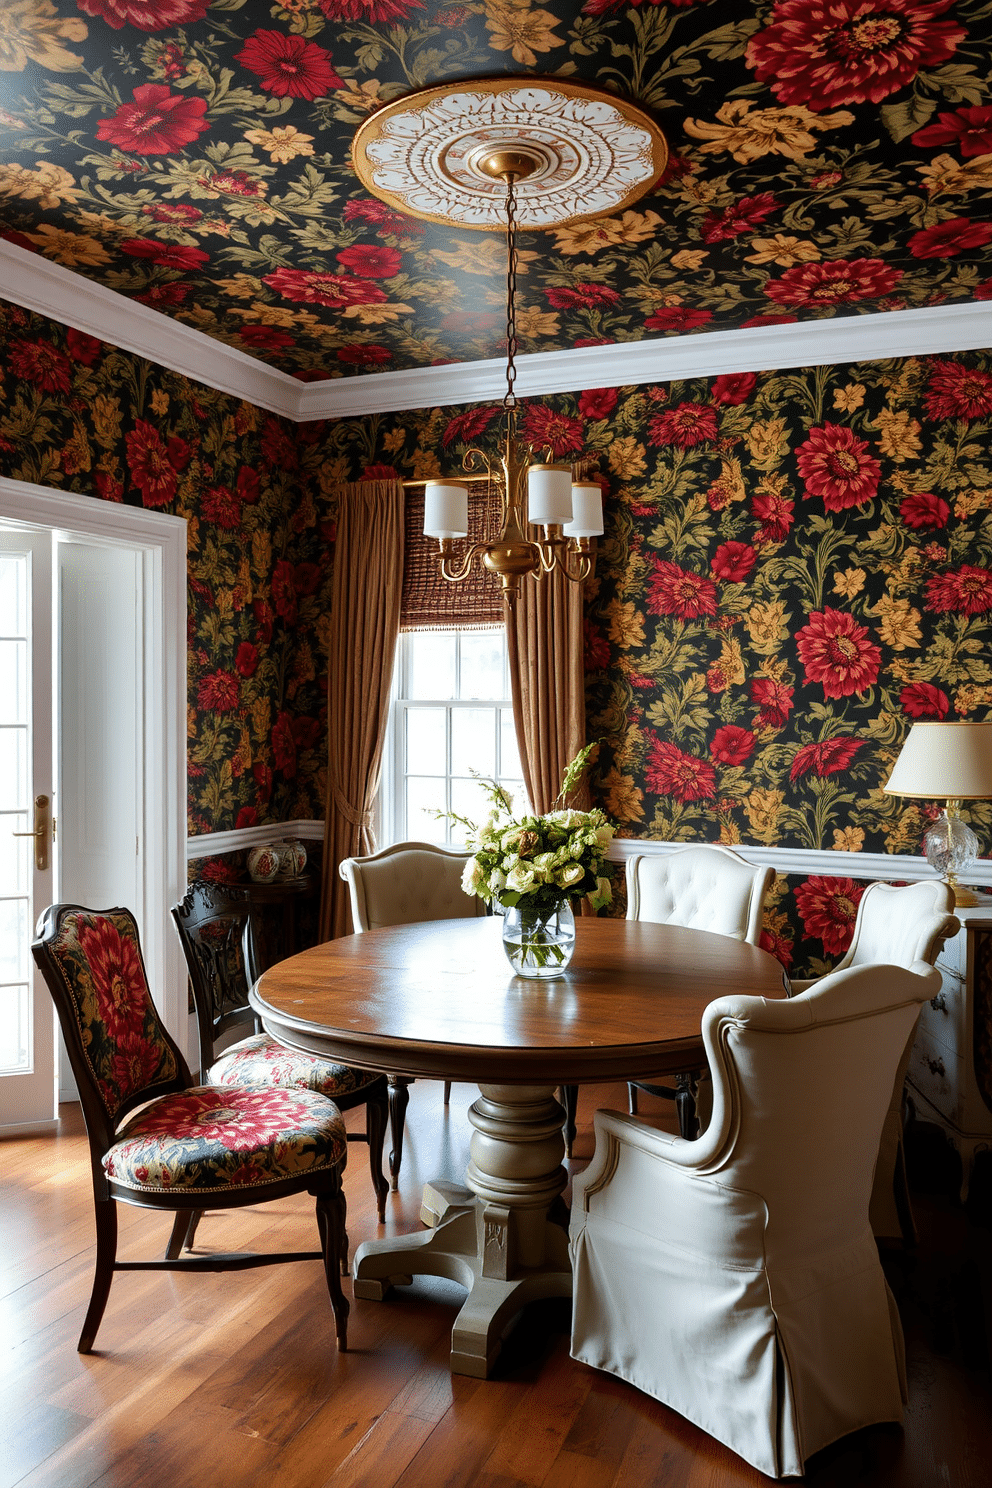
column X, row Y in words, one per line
column 451, row 715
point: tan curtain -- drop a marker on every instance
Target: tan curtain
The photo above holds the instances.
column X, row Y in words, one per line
column 365, row 618
column 544, row 641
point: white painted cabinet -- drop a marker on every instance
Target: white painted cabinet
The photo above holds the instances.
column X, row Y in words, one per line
column 950, row 1069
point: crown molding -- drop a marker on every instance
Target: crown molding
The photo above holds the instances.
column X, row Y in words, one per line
column 54, row 291
column 903, row 867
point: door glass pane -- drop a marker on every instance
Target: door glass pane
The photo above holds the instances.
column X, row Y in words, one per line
column 15, row 1030
column 426, row 751
column 482, row 664
column 13, row 594
column 13, row 769
column 13, row 681
column 14, row 857
column 431, row 663
column 14, row 940
column 473, row 741
column 423, row 797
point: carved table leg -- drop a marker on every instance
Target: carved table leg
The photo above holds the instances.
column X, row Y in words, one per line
column 399, row 1099
column 494, row 1237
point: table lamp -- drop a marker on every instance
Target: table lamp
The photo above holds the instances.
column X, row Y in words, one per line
column 950, row 762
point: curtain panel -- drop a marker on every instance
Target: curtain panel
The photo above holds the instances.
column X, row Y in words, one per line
column 365, row 619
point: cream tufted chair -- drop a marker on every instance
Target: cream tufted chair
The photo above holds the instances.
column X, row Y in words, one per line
column 897, row 926
column 403, row 885
column 736, row 1277
column 706, row 888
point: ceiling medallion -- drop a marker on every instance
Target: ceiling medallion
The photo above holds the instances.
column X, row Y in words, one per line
column 439, row 154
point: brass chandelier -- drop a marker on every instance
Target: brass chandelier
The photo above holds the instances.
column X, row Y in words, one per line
column 561, row 152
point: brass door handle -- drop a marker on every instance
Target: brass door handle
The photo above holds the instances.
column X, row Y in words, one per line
column 42, row 822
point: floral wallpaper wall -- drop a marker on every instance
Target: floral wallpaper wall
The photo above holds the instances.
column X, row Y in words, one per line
column 81, row 416
column 796, row 565
column 828, row 157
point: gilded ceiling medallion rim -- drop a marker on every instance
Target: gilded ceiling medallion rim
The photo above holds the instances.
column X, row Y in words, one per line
column 371, row 130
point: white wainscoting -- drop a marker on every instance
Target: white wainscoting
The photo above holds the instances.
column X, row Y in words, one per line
column 900, row 867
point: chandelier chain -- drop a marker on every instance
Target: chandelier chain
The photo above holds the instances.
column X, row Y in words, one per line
column 510, row 397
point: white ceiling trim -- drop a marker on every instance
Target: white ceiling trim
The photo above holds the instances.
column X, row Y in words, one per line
column 50, row 289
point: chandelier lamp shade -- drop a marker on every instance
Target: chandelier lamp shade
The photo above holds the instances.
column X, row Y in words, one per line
column 503, row 154
column 950, row 762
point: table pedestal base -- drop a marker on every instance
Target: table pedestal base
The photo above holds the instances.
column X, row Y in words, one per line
column 495, row 1237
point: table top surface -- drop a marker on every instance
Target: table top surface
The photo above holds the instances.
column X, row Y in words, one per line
column 439, row 998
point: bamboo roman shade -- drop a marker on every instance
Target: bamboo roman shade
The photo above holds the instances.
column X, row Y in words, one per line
column 430, row 602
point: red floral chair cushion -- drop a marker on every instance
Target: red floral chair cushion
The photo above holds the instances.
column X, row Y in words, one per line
column 261, row 1060
column 213, row 1138
column 99, row 958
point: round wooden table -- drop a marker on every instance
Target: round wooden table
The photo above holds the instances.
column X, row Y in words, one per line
column 439, row 999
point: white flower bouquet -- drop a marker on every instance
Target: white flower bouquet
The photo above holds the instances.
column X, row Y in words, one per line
column 536, row 864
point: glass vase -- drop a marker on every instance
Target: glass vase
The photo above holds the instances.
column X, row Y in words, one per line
column 539, row 942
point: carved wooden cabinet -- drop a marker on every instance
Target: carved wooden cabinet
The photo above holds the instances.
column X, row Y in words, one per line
column 950, row 1069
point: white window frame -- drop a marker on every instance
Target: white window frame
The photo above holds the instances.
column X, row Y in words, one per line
column 391, row 802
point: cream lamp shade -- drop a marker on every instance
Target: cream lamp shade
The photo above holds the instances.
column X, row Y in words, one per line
column 944, row 762
column 587, row 511
column 445, row 509
column 549, row 488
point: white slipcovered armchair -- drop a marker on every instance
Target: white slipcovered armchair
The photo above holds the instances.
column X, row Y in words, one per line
column 897, row 926
column 403, row 885
column 736, row 1278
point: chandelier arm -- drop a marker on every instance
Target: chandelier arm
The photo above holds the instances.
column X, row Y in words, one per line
column 445, row 559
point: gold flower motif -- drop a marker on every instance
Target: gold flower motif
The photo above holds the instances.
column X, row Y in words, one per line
column 68, row 248
column 763, row 808
column 160, row 401
column 966, row 503
column 48, row 183
column 766, row 626
column 898, row 623
column 536, row 324
column 626, row 458
column 946, row 176
column 767, row 442
column 783, row 250
column 904, row 835
column 106, row 420
column 283, row 143
column 608, row 232
column 426, row 464
column 898, row 435
column 623, row 797
column 731, row 661
column 521, row 31
column 486, row 256
column 239, row 286
column 626, row 623
column 849, row 397
column 769, row 131
column 376, row 314
column 850, row 582
column 848, row 839
column 689, row 258
column 33, row 31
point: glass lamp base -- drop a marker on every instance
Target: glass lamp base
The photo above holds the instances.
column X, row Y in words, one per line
column 951, row 847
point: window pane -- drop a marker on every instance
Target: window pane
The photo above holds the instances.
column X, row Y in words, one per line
column 13, row 769
column 14, row 854
column 431, row 663
column 473, row 741
column 426, row 750
column 519, row 804
column 422, row 798
column 13, row 594
column 13, row 681
column 509, row 755
column 469, row 800
column 482, row 664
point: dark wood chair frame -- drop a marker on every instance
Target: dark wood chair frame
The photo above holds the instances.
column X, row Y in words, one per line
column 102, row 1134
column 222, row 1003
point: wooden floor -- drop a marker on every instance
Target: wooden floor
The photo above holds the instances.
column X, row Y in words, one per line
column 232, row 1379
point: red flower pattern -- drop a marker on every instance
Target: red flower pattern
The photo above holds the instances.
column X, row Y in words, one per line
column 597, row 403
column 825, row 53
column 948, row 239
column 732, row 745
column 924, row 700
column 676, row 318
column 837, row 282
column 970, row 129
column 218, row 693
column 371, row 263
column 333, row 291
column 774, row 512
column 733, row 561
column 958, row 392
column 670, row 772
column 168, row 255
column 774, row 700
column 41, row 363
column 836, row 652
column 964, row 591
column 156, row 123
column 836, row 466
column 825, row 758
column 687, row 425
column 154, row 464
column 543, row 428
column 675, row 591
column 373, row 12
column 117, row 975
column 146, row 15
column 733, row 387
column 289, row 66
column 582, row 296
column 924, row 510
column 739, row 218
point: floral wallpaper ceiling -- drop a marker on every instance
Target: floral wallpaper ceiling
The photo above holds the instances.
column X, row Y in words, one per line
column 829, row 157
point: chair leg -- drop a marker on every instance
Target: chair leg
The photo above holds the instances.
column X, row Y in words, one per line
column 331, row 1221
column 106, row 1254
column 685, row 1107
column 570, row 1100
column 447, row 1092
column 631, row 1099
column 376, row 1115
column 399, row 1099
column 180, row 1232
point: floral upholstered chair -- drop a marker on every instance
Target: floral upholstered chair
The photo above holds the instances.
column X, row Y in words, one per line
column 188, row 1148
column 216, row 928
